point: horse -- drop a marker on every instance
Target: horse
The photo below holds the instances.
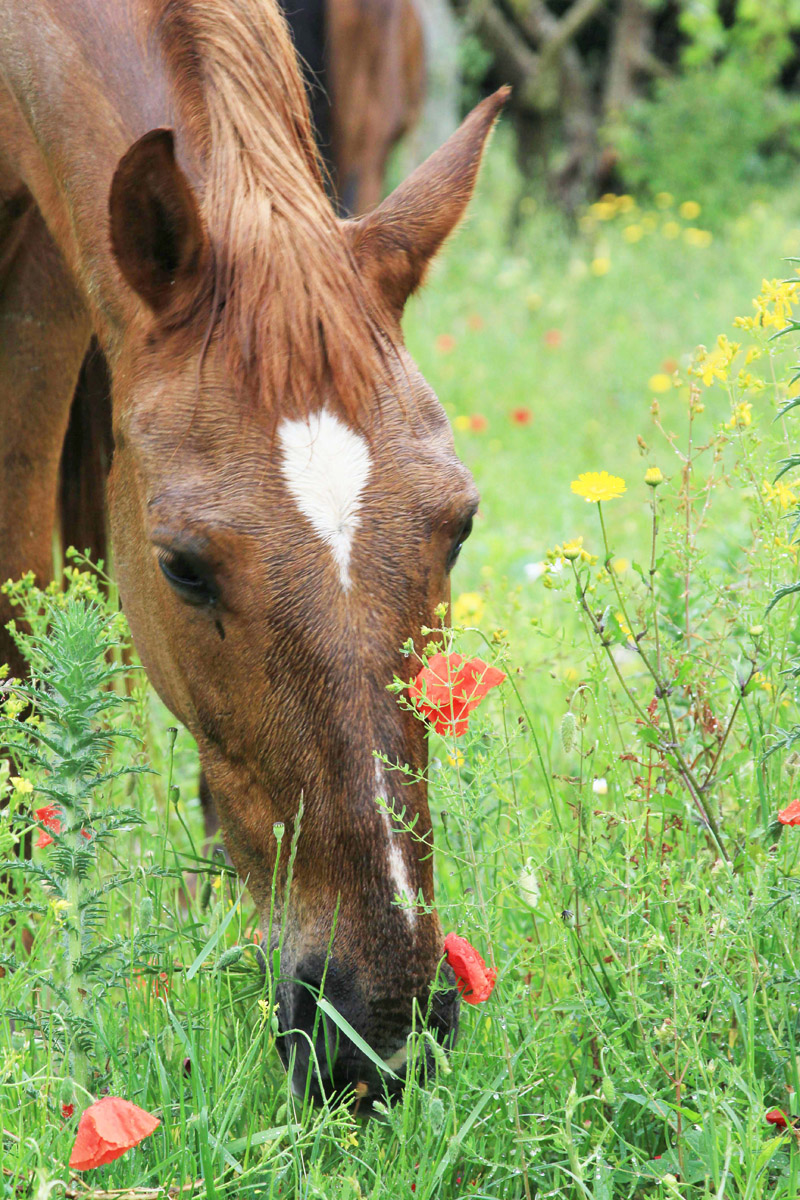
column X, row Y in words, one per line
column 363, row 64
column 285, row 501
column 365, row 71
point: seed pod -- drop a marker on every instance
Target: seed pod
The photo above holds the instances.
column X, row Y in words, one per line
column 436, row 1114
column 568, row 728
column 145, row 914
column 229, row 957
column 439, row 1054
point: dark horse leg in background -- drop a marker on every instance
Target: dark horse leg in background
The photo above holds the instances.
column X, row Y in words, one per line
column 309, row 25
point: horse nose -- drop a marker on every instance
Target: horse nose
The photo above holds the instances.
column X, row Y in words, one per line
column 326, row 1061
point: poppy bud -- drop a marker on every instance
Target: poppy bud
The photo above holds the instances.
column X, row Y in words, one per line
column 436, row 1114
column 145, row 914
column 568, row 728
column 608, row 1090
column 229, row 957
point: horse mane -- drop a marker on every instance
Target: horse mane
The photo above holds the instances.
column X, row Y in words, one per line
column 293, row 315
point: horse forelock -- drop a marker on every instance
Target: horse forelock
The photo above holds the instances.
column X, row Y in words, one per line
column 292, row 313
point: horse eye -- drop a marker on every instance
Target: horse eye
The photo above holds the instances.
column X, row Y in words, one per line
column 188, row 578
column 466, row 530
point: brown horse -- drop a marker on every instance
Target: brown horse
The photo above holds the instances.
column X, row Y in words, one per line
column 364, row 63
column 285, row 501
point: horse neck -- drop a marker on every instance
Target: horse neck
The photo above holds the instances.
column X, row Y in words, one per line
column 86, row 84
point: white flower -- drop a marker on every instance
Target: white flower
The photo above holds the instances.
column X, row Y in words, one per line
column 528, row 885
column 600, row 787
column 534, row 570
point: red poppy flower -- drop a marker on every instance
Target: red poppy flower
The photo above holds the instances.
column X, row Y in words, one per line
column 791, row 814
column 553, row 337
column 67, row 1110
column 478, row 423
column 445, row 343
column 521, row 416
column 107, row 1130
column 474, row 979
column 777, row 1118
column 49, row 817
column 449, row 688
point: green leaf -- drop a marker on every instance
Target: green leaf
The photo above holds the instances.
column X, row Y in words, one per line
column 355, row 1038
column 787, row 590
column 240, row 1145
column 790, row 404
column 788, row 465
column 212, row 942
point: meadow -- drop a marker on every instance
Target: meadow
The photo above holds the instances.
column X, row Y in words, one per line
column 607, row 832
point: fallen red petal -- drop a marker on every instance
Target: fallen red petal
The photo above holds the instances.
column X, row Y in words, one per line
column 777, row 1118
column 107, row 1130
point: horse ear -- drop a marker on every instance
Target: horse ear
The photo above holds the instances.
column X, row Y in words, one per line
column 157, row 233
column 394, row 244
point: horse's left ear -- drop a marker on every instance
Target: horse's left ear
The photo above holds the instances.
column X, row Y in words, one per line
column 157, row 233
column 394, row 244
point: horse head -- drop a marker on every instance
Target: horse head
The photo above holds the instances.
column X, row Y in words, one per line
column 284, row 522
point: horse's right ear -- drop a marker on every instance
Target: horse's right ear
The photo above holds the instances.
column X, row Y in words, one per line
column 157, row 233
column 394, row 244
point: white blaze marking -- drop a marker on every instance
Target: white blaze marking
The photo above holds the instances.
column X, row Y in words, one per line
column 326, row 467
column 397, row 866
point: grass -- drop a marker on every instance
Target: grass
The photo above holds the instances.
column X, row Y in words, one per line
column 646, row 1014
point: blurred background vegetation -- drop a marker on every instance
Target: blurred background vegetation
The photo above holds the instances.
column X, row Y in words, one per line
column 686, row 96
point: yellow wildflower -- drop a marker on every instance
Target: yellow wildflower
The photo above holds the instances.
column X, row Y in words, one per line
column 468, row 608
column 778, row 493
column 633, row 233
column 621, row 565
column 659, row 383
column 671, row 229
column 23, row 786
column 572, row 549
column 653, row 477
column 603, row 211
column 752, row 354
column 461, row 422
column 715, row 365
column 773, row 305
column 742, row 416
column 595, row 486
column 624, row 626
column 456, row 760
column 698, row 237
column 625, row 204
column 600, row 266
column 689, row 210
column 664, row 199
column 760, row 680
column 745, row 380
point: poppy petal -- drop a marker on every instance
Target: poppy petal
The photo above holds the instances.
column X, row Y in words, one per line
column 107, row 1129
column 474, row 979
column 791, row 814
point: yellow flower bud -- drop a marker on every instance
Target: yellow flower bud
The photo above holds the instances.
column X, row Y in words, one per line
column 653, row 477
